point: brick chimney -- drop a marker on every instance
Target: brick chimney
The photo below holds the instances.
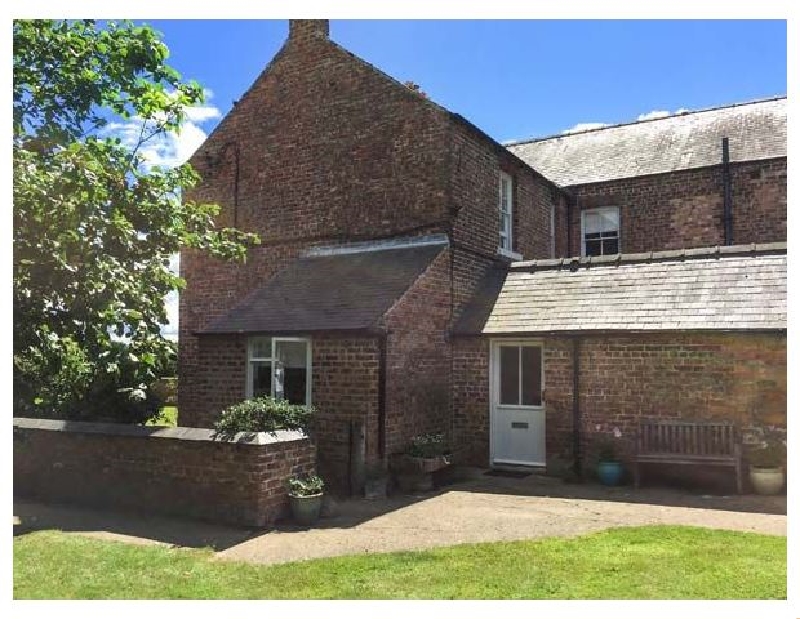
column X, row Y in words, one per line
column 308, row 29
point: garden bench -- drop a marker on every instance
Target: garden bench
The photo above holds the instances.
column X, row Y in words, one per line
column 688, row 442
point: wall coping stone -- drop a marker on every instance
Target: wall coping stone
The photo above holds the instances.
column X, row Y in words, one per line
column 179, row 433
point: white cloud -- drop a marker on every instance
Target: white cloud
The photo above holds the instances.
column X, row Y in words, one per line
column 584, row 127
column 661, row 114
column 653, row 115
column 170, row 149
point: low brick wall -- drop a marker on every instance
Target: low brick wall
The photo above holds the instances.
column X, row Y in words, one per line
column 175, row 471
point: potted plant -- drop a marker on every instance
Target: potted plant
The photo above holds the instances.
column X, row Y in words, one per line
column 413, row 469
column 429, row 452
column 766, row 462
column 609, row 467
column 306, row 493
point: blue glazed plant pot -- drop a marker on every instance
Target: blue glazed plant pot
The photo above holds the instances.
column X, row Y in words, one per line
column 609, row 473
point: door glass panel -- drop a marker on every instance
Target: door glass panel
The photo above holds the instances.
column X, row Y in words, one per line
column 291, row 373
column 531, row 376
column 509, row 375
column 262, row 376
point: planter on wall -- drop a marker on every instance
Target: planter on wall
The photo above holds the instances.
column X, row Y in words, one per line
column 766, row 480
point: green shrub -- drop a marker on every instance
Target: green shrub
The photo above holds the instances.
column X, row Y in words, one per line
column 305, row 485
column 263, row 414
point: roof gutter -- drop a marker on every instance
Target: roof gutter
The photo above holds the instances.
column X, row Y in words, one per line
column 382, row 396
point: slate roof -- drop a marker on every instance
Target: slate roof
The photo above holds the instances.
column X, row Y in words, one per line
column 756, row 130
column 340, row 291
column 736, row 288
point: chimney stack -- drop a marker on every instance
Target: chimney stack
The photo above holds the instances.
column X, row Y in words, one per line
column 308, row 29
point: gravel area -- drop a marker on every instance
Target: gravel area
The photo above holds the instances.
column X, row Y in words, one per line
column 476, row 509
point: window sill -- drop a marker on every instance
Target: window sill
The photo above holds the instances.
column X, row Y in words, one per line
column 509, row 254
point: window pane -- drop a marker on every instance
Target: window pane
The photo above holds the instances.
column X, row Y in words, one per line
column 291, row 374
column 610, row 246
column 260, row 348
column 591, row 221
column 600, row 220
column 509, row 375
column 532, row 376
column 261, row 376
column 594, row 248
column 609, row 220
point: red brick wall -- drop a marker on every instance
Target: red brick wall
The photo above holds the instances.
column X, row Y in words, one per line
column 736, row 377
column 727, row 377
column 471, row 400
column 418, row 358
column 344, row 387
column 218, row 381
column 329, row 150
column 117, row 466
column 685, row 209
column 475, row 194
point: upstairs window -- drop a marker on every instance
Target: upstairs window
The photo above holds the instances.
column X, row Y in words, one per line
column 506, row 207
column 279, row 367
column 600, row 231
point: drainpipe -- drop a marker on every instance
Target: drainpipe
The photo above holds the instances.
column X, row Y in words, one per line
column 727, row 198
column 382, row 396
column 570, row 200
column 576, row 411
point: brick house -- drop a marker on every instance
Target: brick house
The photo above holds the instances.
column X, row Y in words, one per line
column 397, row 238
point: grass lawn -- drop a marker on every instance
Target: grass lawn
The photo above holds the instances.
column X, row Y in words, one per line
column 168, row 417
column 638, row 562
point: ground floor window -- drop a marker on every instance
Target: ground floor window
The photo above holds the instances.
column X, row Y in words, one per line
column 279, row 367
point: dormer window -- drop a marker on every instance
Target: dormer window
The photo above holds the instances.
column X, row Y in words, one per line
column 506, row 207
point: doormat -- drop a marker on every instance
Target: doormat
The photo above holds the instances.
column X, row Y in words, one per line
column 499, row 473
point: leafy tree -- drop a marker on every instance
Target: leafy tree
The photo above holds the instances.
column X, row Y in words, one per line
column 94, row 226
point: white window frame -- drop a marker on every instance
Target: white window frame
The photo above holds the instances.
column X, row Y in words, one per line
column 506, row 233
column 603, row 209
column 248, row 388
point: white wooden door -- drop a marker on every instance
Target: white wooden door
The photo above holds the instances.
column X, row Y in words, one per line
column 518, row 408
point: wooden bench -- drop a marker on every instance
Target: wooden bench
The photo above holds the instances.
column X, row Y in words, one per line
column 688, row 442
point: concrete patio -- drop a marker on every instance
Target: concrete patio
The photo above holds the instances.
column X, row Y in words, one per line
column 475, row 509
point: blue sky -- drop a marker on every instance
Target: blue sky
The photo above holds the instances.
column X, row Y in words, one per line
column 515, row 79
column 520, row 78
